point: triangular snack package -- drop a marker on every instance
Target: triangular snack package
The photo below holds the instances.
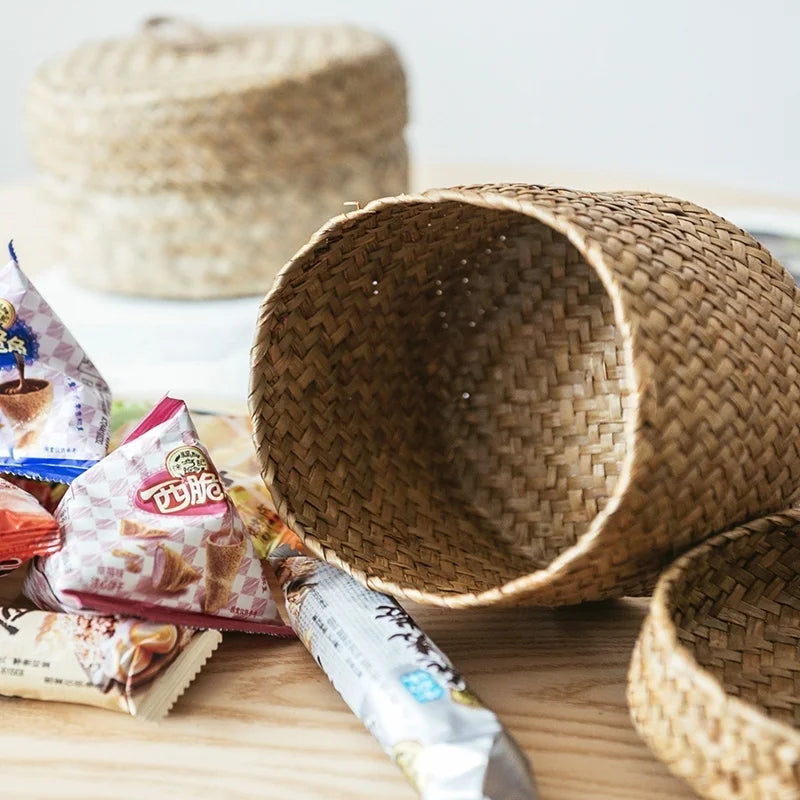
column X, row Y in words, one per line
column 54, row 405
column 150, row 531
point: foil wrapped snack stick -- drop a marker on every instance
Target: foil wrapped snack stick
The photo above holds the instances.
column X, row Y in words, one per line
column 54, row 405
column 116, row 663
column 401, row 686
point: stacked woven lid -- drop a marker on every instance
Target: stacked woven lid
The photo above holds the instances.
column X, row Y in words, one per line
column 519, row 394
column 181, row 162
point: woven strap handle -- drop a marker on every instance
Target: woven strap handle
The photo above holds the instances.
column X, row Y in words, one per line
column 178, row 33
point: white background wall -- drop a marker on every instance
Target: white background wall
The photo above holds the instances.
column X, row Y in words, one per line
column 706, row 91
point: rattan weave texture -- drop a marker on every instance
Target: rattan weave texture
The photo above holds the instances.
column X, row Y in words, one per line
column 524, row 394
column 714, row 685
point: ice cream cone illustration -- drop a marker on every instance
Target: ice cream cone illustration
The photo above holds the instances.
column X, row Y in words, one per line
column 127, row 661
column 224, row 554
column 171, row 572
column 154, row 645
column 131, row 653
column 156, row 637
column 137, row 530
column 23, row 401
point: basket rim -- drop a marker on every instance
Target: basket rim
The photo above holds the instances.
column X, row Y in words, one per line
column 488, row 197
column 660, row 619
column 184, row 97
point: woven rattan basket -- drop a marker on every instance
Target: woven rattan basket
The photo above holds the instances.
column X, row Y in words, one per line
column 714, row 686
column 182, row 163
column 521, row 394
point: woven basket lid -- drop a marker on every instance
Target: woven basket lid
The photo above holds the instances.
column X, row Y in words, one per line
column 524, row 394
column 176, row 105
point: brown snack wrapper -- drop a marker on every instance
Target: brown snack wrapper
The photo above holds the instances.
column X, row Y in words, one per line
column 117, row 663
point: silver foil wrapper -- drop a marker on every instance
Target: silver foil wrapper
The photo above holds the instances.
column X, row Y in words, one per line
column 401, row 686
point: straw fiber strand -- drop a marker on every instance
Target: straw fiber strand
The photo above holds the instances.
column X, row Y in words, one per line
column 714, row 684
column 522, row 394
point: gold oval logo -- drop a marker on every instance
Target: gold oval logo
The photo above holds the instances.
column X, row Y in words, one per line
column 7, row 314
column 186, row 460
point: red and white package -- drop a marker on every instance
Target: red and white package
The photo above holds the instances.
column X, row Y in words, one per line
column 150, row 531
column 26, row 529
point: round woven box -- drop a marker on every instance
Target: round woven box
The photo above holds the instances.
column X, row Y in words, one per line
column 186, row 163
column 522, row 394
column 714, row 685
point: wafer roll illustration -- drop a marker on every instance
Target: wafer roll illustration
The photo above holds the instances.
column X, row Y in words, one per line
column 224, row 554
column 171, row 572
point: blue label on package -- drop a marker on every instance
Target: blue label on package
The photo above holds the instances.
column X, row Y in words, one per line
column 18, row 338
column 60, row 470
column 422, row 686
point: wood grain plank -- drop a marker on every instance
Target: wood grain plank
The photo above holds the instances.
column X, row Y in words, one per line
column 263, row 721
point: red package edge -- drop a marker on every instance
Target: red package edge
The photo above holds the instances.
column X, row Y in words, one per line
column 165, row 409
column 155, row 613
column 27, row 531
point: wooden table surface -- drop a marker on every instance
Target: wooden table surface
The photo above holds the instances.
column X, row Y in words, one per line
column 261, row 720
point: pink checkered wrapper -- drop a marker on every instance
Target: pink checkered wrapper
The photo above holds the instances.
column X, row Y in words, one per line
column 150, row 531
column 54, row 405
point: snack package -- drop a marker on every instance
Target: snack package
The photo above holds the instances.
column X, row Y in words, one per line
column 47, row 493
column 116, row 663
column 150, row 531
column 254, row 504
column 401, row 686
column 229, row 439
column 26, row 529
column 54, row 406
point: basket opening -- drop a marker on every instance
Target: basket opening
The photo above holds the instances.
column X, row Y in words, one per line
column 738, row 612
column 529, row 391
column 459, row 395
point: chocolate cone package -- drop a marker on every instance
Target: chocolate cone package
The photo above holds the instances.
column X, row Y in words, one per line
column 150, row 531
column 54, row 405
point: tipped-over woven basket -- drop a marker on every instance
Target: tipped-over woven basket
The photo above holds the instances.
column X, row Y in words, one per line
column 714, row 686
column 188, row 163
column 522, row 394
